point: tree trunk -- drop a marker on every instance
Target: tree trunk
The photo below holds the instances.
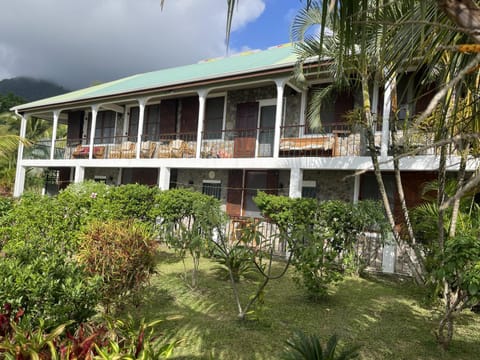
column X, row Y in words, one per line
column 378, row 175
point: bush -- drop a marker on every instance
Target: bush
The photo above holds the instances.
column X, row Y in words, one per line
column 188, row 222
column 132, row 201
column 38, row 270
column 121, row 253
column 110, row 339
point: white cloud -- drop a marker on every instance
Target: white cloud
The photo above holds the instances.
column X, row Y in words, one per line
column 77, row 42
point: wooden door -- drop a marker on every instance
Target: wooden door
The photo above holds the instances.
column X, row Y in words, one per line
column 235, row 192
column 246, row 126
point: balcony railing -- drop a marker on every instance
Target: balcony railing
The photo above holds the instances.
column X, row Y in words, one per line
column 243, row 143
column 332, row 140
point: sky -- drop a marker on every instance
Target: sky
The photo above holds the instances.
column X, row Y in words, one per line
column 77, row 43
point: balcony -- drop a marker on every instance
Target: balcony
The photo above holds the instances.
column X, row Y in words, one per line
column 335, row 140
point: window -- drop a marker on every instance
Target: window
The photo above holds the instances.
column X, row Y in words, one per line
column 309, row 189
column 214, row 117
column 133, row 123
column 151, row 125
column 104, row 127
column 332, row 111
column 212, row 188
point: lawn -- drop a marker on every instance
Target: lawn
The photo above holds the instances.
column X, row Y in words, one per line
column 387, row 316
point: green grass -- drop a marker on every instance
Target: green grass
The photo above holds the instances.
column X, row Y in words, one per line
column 385, row 315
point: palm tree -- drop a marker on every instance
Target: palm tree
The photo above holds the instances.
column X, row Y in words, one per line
column 410, row 34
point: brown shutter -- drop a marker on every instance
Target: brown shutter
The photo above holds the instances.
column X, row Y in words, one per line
column 189, row 116
column 234, row 192
column 168, row 116
column 75, row 127
column 272, row 182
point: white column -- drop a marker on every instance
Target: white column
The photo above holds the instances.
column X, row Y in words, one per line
column 56, row 115
column 79, row 174
column 356, row 189
column 303, row 110
column 387, row 105
column 20, row 172
column 296, row 178
column 202, row 99
column 164, row 178
column 141, row 117
column 92, row 131
column 278, row 116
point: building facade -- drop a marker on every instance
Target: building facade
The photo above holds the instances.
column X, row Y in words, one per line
column 227, row 127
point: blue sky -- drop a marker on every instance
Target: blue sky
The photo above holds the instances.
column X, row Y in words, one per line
column 78, row 43
column 271, row 28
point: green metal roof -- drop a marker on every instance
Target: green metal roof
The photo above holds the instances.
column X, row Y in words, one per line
column 246, row 62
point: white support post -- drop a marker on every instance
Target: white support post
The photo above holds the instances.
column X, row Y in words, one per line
column 387, row 105
column 79, row 174
column 356, row 189
column 141, row 117
column 56, row 115
column 303, row 110
column 296, row 178
column 164, row 178
column 202, row 100
column 20, row 172
column 92, row 130
column 278, row 115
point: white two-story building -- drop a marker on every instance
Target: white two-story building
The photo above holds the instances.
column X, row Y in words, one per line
column 227, row 127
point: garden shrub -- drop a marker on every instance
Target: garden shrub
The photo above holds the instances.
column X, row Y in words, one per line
column 132, row 201
column 85, row 202
column 6, row 204
column 188, row 221
column 38, row 270
column 107, row 339
column 322, row 236
column 121, row 253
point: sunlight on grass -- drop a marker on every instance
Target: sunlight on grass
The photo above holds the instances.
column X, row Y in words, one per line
column 387, row 316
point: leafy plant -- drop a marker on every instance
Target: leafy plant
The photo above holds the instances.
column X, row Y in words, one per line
column 38, row 270
column 308, row 347
column 121, row 254
column 109, row 339
column 188, row 222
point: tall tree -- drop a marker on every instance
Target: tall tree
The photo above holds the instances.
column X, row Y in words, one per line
column 417, row 35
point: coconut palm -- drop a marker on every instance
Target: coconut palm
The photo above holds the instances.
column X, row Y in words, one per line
column 409, row 34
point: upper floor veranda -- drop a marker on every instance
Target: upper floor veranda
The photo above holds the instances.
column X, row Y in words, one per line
column 243, row 107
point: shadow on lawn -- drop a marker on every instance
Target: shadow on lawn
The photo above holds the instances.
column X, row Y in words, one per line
column 383, row 314
column 387, row 317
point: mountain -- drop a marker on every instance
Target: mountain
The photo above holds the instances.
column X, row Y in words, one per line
column 30, row 89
